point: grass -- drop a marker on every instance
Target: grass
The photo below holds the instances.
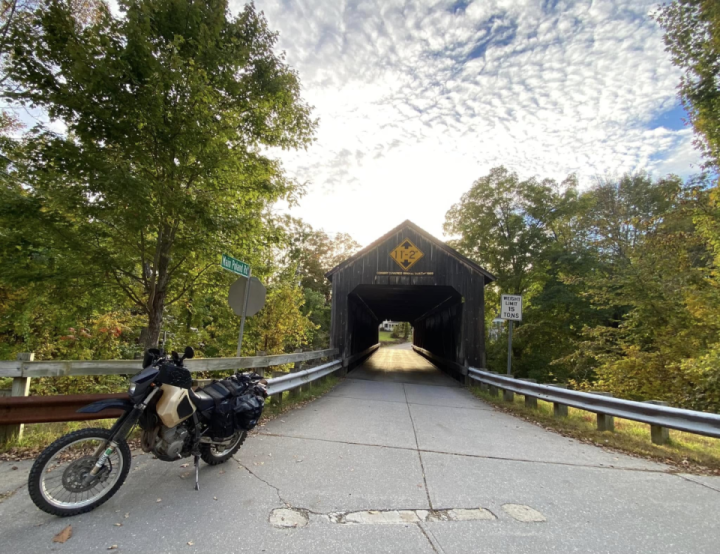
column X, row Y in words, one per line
column 309, row 393
column 386, row 336
column 689, row 452
column 38, row 436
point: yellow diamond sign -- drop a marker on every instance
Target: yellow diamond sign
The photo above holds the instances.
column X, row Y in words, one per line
column 406, row 254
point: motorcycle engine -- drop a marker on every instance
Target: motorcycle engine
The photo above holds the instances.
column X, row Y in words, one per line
column 170, row 442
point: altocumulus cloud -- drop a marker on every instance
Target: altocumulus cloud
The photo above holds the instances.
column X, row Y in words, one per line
column 417, row 99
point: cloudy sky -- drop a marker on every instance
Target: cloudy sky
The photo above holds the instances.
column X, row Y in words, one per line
column 417, row 99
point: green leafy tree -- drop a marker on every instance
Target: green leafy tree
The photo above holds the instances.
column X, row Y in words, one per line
column 692, row 37
column 168, row 109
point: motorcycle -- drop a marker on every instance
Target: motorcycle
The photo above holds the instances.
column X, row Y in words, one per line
column 83, row 469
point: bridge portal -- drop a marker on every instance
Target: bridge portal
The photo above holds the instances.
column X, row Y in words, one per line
column 409, row 275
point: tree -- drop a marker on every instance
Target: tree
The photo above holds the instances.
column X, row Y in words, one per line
column 167, row 110
column 303, row 256
column 692, row 37
column 503, row 223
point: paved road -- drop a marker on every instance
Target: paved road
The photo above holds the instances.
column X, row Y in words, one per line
column 401, row 462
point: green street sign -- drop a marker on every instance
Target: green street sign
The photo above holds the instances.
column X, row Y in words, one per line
column 236, row 266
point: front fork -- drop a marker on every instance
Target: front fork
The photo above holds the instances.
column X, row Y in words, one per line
column 119, row 431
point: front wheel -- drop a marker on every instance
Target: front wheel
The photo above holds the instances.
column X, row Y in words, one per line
column 59, row 483
column 214, row 455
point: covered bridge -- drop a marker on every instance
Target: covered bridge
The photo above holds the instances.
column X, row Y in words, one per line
column 409, row 275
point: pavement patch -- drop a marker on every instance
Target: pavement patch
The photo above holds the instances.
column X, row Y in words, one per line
column 284, row 517
column 287, row 518
column 523, row 513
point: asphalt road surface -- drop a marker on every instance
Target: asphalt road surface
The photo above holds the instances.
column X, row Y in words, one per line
column 397, row 458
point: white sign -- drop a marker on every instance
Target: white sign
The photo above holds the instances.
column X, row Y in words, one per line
column 511, row 307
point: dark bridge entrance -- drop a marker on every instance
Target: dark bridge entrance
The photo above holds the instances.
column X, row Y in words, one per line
column 409, row 275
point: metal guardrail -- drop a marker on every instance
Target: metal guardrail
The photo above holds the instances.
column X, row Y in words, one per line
column 21, row 408
column 699, row 423
column 21, row 368
column 276, row 385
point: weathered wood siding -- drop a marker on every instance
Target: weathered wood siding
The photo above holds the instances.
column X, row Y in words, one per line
column 455, row 330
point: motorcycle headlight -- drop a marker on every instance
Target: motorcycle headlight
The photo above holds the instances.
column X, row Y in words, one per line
column 131, row 389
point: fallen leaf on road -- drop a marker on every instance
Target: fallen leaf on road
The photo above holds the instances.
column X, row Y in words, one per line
column 214, row 497
column 112, row 547
column 14, row 468
column 127, row 515
column 221, row 471
column 185, row 475
column 63, row 535
column 159, row 500
column 190, row 543
column 185, row 465
column 118, row 525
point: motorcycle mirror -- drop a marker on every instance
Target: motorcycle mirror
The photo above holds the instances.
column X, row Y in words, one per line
column 150, row 356
column 175, row 356
column 189, row 352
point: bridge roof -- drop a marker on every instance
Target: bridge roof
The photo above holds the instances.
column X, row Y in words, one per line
column 472, row 266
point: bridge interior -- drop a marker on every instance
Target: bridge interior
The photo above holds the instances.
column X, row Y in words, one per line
column 435, row 312
column 399, row 364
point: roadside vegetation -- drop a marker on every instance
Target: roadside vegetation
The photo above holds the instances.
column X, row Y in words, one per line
column 688, row 452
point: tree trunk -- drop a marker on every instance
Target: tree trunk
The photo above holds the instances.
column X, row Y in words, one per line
column 152, row 335
column 158, row 293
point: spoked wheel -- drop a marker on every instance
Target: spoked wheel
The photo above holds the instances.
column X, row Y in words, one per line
column 59, row 481
column 213, row 454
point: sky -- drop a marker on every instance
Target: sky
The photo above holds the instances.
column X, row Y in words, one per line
column 418, row 99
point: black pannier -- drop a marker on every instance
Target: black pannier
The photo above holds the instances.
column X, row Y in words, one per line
column 238, row 404
column 222, row 422
column 247, row 410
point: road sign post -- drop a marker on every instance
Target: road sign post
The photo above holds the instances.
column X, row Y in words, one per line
column 246, row 296
column 511, row 311
column 244, row 313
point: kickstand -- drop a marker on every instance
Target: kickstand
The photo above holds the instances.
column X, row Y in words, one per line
column 197, row 472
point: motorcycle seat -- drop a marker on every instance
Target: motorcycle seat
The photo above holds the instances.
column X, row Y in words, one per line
column 206, row 397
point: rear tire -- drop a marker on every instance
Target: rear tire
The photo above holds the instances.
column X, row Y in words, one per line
column 211, row 456
column 48, row 500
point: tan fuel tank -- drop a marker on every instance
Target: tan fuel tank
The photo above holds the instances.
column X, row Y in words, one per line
column 174, row 405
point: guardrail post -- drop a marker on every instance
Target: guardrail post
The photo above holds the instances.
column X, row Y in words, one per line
column 560, row 410
column 276, row 399
column 604, row 422
column 294, row 393
column 508, row 395
column 530, row 401
column 658, row 433
column 260, row 370
column 20, row 387
column 494, row 391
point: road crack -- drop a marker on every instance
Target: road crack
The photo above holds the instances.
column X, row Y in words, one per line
column 417, row 448
column 276, row 489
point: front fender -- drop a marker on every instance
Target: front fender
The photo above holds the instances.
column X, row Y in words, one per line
column 110, row 403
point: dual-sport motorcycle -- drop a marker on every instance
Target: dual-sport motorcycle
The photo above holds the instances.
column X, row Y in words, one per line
column 83, row 469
